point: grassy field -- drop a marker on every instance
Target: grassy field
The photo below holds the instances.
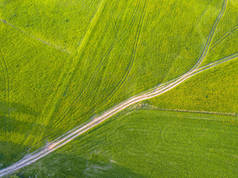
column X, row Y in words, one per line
column 226, row 37
column 62, row 24
column 149, row 143
column 61, row 63
column 215, row 91
column 25, row 82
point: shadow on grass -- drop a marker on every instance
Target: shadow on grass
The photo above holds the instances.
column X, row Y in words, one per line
column 9, row 124
column 68, row 165
column 10, row 153
column 5, row 108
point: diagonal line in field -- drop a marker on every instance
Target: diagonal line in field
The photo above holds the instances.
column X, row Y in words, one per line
column 140, row 24
column 224, row 36
column 211, row 35
column 72, row 134
column 67, row 74
column 59, row 48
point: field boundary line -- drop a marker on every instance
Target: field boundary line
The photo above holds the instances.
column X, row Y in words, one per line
column 197, row 111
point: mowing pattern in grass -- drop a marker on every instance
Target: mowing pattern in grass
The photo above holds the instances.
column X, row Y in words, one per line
column 149, row 144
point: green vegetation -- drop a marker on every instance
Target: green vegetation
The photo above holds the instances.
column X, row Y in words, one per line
column 28, row 77
column 123, row 48
column 62, row 24
column 226, row 38
column 149, row 143
column 214, row 90
column 63, row 62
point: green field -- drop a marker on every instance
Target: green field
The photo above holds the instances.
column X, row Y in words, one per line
column 149, row 143
column 215, row 90
column 64, row 62
column 226, row 38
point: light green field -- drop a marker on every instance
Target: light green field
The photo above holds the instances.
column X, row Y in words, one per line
column 215, row 90
column 226, row 38
column 63, row 62
column 149, row 143
column 60, row 23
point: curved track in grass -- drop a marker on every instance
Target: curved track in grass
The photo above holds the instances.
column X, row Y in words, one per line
column 159, row 90
column 72, row 134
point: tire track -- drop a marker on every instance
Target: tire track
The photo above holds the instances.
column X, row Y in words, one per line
column 109, row 51
column 224, row 36
column 72, row 134
column 76, row 100
column 99, row 66
column 68, row 73
column 129, row 67
column 134, row 50
column 211, row 35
